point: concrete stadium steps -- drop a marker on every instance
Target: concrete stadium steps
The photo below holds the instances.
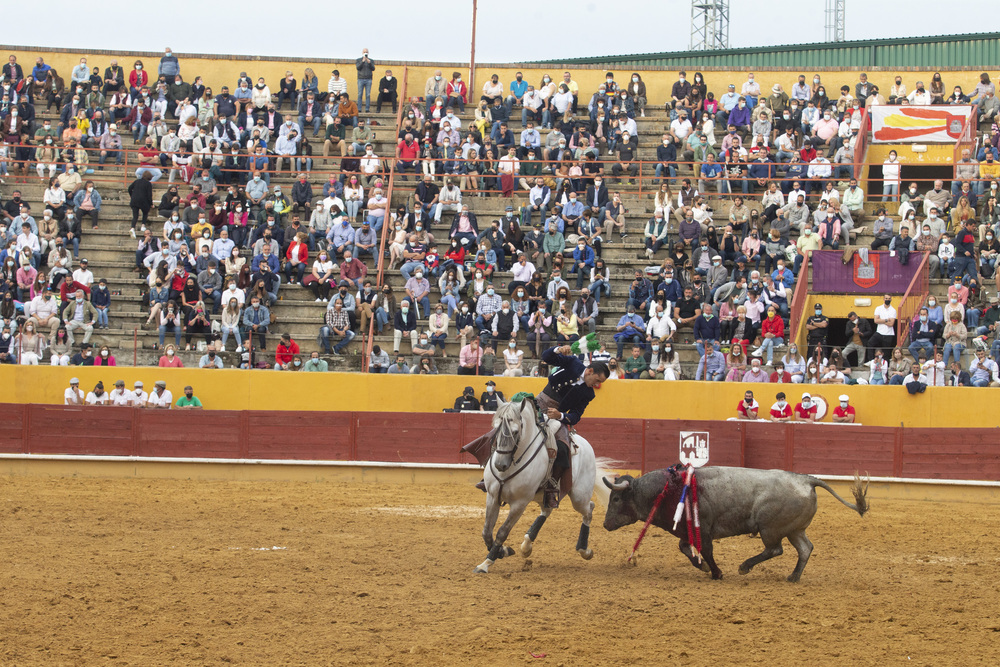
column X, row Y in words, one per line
column 110, row 251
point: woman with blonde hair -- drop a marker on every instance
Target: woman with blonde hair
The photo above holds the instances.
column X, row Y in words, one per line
column 310, row 84
column 397, row 242
column 206, row 108
column 187, row 132
column 736, row 362
column 30, row 345
column 962, row 212
column 483, row 118
column 231, row 325
column 664, row 199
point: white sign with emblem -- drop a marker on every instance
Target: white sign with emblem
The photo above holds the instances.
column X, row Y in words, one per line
column 694, row 448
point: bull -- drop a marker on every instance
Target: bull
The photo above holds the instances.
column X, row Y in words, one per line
column 732, row 501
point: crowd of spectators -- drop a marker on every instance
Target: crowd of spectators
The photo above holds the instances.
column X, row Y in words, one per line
column 231, row 240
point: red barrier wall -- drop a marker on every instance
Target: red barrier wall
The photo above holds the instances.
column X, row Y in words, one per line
column 641, row 444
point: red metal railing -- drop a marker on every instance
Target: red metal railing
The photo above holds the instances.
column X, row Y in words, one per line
column 913, row 299
column 861, row 146
column 386, row 225
column 797, row 306
column 967, row 137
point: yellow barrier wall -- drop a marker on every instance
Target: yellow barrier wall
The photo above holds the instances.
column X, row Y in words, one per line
column 936, row 154
column 217, row 70
column 274, row 390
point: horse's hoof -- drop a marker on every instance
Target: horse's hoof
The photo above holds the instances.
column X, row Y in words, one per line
column 587, row 554
column 479, row 570
column 526, row 547
column 508, row 551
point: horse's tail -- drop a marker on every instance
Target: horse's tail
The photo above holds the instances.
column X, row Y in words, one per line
column 604, row 467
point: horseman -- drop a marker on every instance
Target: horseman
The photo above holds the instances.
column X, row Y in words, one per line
column 564, row 400
column 569, row 391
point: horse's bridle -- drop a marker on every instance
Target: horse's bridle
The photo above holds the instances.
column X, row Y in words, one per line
column 505, row 431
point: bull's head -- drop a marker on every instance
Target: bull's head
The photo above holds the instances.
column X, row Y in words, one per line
column 622, row 508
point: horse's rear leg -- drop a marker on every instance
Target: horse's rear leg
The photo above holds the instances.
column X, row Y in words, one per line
column 498, row 550
column 586, row 509
column 532, row 534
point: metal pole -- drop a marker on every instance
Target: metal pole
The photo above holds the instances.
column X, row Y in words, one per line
column 472, row 57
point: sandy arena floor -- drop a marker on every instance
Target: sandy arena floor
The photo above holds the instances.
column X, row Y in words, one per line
column 147, row 572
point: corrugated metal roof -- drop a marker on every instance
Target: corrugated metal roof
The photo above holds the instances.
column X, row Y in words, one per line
column 973, row 51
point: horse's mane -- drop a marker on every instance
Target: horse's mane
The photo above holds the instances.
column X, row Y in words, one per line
column 512, row 409
column 507, row 411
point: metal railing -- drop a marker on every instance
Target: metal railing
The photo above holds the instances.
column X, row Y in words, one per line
column 967, row 137
column 861, row 145
column 913, row 298
column 797, row 306
column 369, row 342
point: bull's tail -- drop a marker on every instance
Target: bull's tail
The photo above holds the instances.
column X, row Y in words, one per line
column 859, row 489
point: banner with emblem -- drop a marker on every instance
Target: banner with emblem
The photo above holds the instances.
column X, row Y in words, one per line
column 940, row 124
column 861, row 273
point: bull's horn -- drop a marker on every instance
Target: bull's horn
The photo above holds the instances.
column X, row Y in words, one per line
column 616, row 485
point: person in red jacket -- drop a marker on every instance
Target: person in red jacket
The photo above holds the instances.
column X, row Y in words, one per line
column 772, row 334
column 138, row 78
column 458, row 92
column 407, row 151
column 283, row 356
column 138, row 119
column 806, row 410
column 780, row 375
column 297, row 257
column 781, row 411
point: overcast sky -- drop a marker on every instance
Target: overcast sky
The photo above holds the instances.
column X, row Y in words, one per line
column 440, row 30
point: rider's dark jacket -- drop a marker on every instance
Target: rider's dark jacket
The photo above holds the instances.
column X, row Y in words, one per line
column 566, row 385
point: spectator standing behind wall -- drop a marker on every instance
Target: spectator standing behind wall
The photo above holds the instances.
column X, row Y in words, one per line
column 188, row 401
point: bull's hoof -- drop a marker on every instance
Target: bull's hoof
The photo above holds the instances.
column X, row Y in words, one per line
column 744, row 569
column 793, row 579
column 586, row 554
column 526, row 546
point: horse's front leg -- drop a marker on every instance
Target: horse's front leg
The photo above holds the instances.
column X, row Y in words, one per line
column 498, row 550
column 492, row 512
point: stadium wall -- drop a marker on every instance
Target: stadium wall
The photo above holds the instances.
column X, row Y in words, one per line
column 943, row 407
column 927, row 154
column 219, row 69
column 640, row 444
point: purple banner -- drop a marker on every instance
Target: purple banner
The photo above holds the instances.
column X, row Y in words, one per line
column 881, row 274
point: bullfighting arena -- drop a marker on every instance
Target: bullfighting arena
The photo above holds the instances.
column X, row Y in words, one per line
column 151, row 571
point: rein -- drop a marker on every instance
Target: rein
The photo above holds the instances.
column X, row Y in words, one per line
column 505, row 430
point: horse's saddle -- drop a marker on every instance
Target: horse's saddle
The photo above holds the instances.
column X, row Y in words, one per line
column 482, row 447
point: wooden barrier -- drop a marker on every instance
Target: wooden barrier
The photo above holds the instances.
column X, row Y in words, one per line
column 640, row 444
